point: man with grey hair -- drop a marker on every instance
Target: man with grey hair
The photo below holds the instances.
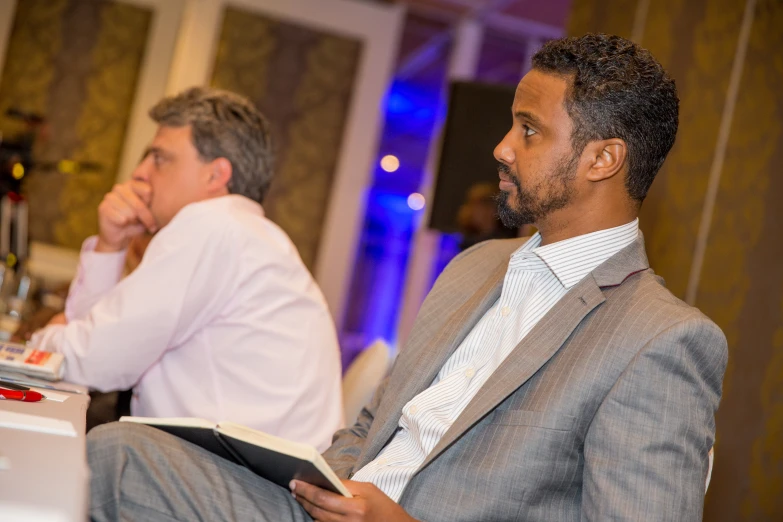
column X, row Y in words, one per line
column 221, row 319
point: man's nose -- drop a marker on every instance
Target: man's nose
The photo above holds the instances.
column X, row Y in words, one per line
column 142, row 170
column 503, row 151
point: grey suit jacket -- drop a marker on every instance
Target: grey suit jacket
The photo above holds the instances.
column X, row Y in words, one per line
column 605, row 411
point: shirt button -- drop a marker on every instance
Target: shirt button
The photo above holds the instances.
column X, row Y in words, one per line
column 469, row 373
column 413, row 409
column 505, row 311
column 382, row 462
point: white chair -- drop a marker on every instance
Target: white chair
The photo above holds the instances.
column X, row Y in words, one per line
column 363, row 377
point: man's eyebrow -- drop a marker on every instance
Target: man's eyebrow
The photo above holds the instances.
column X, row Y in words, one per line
column 149, row 150
column 529, row 116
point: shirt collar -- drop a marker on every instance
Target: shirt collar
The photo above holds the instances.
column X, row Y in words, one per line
column 236, row 201
column 572, row 259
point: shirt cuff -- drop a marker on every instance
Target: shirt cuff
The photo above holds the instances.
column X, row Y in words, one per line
column 48, row 338
column 89, row 255
column 97, row 274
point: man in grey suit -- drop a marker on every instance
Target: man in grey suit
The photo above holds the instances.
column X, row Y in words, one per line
column 547, row 379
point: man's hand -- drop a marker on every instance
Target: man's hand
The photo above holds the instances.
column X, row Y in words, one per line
column 367, row 505
column 123, row 214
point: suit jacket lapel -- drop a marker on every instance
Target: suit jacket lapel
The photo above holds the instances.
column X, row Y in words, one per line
column 427, row 358
column 420, row 364
column 543, row 341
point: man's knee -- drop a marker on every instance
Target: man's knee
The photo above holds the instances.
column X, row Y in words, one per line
column 108, row 444
column 106, row 450
column 107, row 436
column 105, row 453
column 112, row 452
column 105, row 441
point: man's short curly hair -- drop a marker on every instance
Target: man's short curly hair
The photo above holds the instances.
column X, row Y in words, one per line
column 224, row 125
column 616, row 90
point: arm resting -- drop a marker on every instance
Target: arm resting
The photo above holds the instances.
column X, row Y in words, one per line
column 646, row 450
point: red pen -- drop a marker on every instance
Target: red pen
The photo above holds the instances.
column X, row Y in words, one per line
column 18, row 395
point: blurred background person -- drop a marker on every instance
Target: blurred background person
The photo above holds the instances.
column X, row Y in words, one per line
column 220, row 319
column 478, row 219
column 104, row 406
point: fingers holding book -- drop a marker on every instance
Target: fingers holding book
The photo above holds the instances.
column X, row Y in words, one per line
column 368, row 503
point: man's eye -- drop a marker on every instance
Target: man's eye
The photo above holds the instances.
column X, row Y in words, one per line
column 528, row 131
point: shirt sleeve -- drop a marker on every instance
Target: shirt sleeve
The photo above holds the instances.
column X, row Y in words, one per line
column 183, row 281
column 97, row 274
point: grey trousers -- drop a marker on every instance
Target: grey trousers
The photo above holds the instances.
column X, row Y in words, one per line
column 141, row 473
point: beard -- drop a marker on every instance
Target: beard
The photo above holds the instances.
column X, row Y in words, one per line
column 531, row 206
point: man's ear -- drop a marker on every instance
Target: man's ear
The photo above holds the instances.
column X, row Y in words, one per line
column 607, row 158
column 219, row 175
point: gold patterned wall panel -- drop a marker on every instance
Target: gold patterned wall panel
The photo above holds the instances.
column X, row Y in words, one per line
column 766, row 474
column 741, row 282
column 696, row 42
column 302, row 80
column 244, row 51
column 609, row 16
column 100, row 127
column 34, row 41
column 76, row 63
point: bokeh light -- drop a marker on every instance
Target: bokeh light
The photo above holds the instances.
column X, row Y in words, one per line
column 416, row 201
column 390, row 163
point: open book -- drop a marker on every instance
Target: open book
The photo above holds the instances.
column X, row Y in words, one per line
column 277, row 460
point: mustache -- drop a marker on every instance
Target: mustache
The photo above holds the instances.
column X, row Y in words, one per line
column 504, row 169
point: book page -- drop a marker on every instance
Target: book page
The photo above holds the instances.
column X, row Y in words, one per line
column 280, row 460
column 200, row 432
column 259, row 438
column 23, row 421
column 192, row 422
column 51, row 396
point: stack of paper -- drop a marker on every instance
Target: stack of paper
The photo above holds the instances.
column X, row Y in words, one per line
column 20, row 358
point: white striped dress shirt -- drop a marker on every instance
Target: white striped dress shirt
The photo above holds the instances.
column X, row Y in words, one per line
column 536, row 279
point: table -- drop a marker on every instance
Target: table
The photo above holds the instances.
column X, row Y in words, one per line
column 48, row 479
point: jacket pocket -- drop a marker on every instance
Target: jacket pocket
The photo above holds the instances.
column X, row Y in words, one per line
column 537, row 419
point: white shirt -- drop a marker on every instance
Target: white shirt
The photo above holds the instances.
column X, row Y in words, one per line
column 220, row 320
column 536, row 279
